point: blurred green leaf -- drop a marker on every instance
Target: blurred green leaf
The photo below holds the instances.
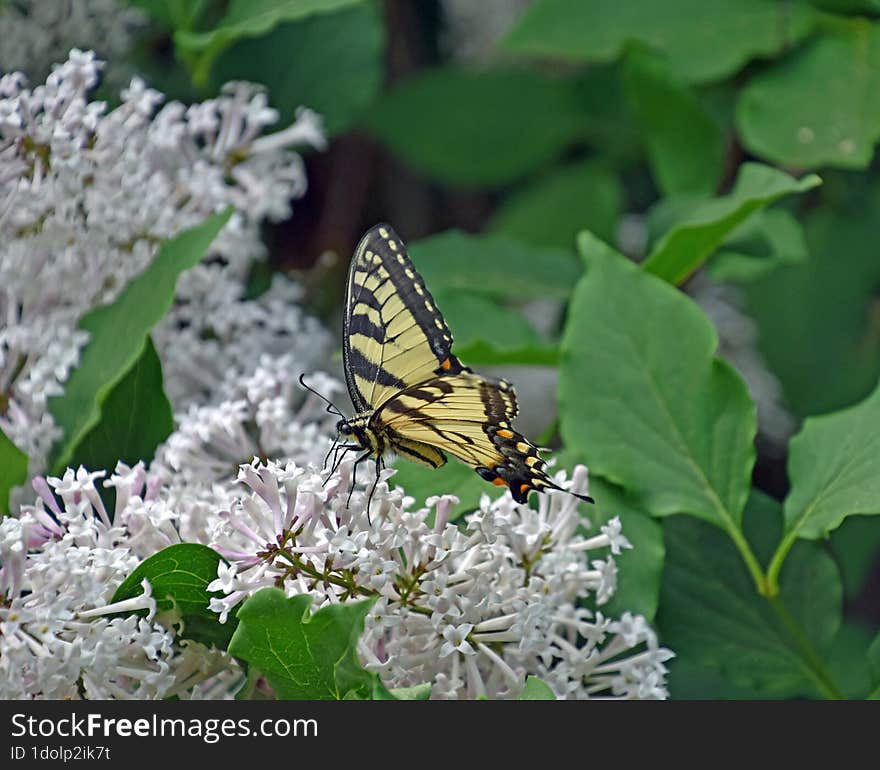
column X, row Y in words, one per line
column 834, row 469
column 848, row 6
column 489, row 333
column 874, row 667
column 135, row 418
column 711, row 615
column 536, row 689
column 13, row 470
column 819, row 322
column 118, row 333
column 494, row 265
column 684, row 143
column 638, row 362
column 689, row 244
column 704, row 40
column 821, row 104
column 304, row 655
column 454, row 478
column 856, row 548
column 487, row 128
column 767, row 239
column 848, row 660
column 337, row 71
column 552, row 209
column 638, row 581
column 246, row 18
column 179, row 576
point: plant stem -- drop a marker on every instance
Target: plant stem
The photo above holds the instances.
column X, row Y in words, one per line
column 776, row 562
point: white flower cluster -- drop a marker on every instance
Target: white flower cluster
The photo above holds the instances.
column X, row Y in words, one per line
column 34, row 34
column 473, row 610
column 86, row 197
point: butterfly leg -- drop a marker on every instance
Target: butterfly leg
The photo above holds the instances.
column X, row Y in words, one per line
column 354, row 470
column 380, row 466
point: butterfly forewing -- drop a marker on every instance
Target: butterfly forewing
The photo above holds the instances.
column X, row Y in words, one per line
column 394, row 334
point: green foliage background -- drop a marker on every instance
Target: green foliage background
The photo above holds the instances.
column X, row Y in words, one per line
column 741, row 135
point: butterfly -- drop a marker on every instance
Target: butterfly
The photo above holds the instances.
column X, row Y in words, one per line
column 413, row 397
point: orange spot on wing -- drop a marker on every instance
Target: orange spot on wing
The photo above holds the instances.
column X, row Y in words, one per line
column 523, row 488
column 499, row 482
column 446, row 365
column 505, row 433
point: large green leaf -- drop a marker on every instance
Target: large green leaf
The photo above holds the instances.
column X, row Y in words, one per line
column 135, row 418
column 13, row 470
column 821, row 105
column 834, row 469
column 817, row 320
column 487, row 128
column 711, row 615
column 768, row 239
column 495, row 265
column 179, row 576
column 336, row 69
column 640, row 568
column 683, row 141
column 489, row 333
column 243, row 19
column 703, row 39
column 553, row 209
column 304, row 656
column 118, row 334
column 688, row 244
column 643, row 399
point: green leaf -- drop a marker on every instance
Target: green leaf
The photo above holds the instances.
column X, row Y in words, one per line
column 856, row 548
column 766, row 240
column 818, row 321
column 643, row 399
column 684, row 143
column 487, row 128
column 848, row 660
column 494, row 265
column 703, row 39
column 416, row 692
column 489, row 333
column 874, row 667
column 640, row 568
column 820, row 106
column 454, row 478
column 13, row 470
column 304, row 656
column 118, row 334
column 834, row 469
column 536, row 689
column 337, row 71
column 711, row 615
column 247, row 18
column 690, row 243
column 553, row 209
column 179, row 576
column 136, row 417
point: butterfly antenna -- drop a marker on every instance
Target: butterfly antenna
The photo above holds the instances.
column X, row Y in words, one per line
column 331, row 407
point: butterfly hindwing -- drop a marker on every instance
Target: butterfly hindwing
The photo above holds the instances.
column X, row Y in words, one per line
column 469, row 417
column 394, row 336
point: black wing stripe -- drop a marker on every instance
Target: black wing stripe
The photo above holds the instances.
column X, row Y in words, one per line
column 360, row 324
column 370, row 371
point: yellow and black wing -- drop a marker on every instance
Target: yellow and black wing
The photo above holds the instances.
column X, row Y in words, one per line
column 468, row 416
column 394, row 336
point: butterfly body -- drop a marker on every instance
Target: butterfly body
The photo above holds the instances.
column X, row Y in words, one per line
column 413, row 397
